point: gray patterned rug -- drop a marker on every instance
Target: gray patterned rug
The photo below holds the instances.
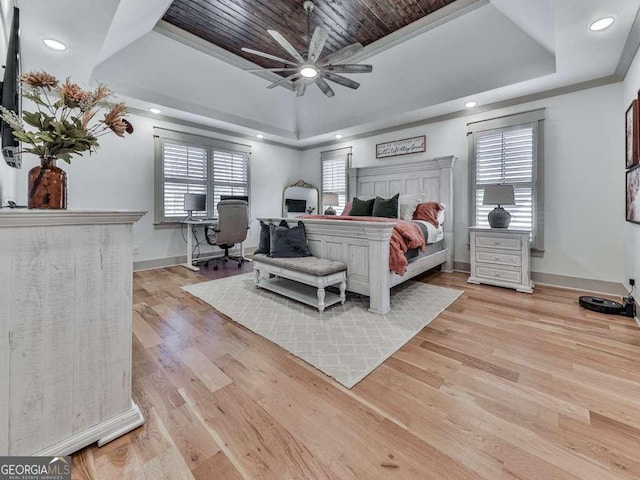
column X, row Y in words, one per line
column 346, row 342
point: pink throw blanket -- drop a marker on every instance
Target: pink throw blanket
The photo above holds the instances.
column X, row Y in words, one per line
column 405, row 235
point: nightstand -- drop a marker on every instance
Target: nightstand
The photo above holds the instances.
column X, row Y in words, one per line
column 500, row 256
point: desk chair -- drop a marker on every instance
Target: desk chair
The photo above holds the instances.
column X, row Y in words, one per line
column 232, row 227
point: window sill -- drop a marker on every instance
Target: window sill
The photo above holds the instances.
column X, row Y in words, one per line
column 162, row 225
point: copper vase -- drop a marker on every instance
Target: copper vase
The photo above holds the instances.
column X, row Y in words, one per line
column 47, row 185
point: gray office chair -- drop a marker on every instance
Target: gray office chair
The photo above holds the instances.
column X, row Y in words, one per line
column 233, row 224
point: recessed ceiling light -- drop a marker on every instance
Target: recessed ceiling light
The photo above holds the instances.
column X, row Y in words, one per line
column 155, row 110
column 54, row 44
column 308, row 71
column 260, row 136
column 471, row 104
column 601, row 24
column 338, row 136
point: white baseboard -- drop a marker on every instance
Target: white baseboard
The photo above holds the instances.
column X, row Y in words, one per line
column 180, row 259
column 102, row 433
column 563, row 281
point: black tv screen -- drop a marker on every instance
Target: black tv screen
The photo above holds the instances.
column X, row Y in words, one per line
column 295, row 206
column 11, row 92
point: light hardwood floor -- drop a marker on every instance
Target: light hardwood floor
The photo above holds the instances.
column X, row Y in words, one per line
column 502, row 385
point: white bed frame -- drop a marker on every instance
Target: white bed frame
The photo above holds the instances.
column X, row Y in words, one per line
column 364, row 246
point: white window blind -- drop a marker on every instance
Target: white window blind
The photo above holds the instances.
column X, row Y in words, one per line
column 230, row 174
column 334, row 175
column 509, row 150
column 185, row 171
column 506, row 156
column 193, row 164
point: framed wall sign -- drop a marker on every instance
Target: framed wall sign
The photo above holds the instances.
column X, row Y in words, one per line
column 633, row 195
column 631, row 135
column 401, row 147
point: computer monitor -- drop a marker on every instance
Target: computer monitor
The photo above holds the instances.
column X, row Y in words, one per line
column 235, row 197
column 195, row 202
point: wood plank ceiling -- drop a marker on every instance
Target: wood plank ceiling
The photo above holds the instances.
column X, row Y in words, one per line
column 233, row 24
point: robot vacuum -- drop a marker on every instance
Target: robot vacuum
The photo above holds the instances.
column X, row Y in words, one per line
column 602, row 305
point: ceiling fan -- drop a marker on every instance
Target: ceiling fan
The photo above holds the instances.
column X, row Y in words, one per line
column 308, row 67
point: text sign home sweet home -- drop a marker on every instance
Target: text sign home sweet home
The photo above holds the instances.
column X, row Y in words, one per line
column 401, row 147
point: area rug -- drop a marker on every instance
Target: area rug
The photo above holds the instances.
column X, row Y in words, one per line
column 346, row 342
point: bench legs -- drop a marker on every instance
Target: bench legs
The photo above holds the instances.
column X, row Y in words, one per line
column 343, row 291
column 257, row 274
column 321, row 295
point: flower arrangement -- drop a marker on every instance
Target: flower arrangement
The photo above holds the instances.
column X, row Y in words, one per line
column 65, row 122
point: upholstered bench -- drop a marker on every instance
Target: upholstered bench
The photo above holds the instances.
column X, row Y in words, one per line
column 304, row 278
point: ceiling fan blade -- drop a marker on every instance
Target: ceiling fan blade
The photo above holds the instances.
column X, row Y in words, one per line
column 301, row 88
column 339, row 79
column 341, row 54
column 317, row 44
column 269, row 56
column 324, row 86
column 284, row 80
column 289, row 69
column 284, row 43
column 349, row 68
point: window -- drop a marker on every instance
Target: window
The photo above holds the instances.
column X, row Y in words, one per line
column 194, row 164
column 508, row 151
column 334, row 175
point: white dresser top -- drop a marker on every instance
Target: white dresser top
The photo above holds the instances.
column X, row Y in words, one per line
column 22, row 217
column 516, row 231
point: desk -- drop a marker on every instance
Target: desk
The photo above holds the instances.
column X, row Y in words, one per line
column 204, row 222
column 189, row 222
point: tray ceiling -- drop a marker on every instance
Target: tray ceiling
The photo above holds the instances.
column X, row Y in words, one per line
column 233, row 24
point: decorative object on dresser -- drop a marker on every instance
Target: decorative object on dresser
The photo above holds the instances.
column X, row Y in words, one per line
column 61, row 127
column 501, row 257
column 65, row 330
column 633, row 195
column 499, row 195
column 632, row 128
column 401, row 147
column 330, row 199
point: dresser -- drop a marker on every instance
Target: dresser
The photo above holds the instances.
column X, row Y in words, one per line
column 501, row 257
column 65, row 330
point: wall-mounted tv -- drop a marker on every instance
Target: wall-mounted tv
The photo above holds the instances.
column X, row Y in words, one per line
column 11, row 93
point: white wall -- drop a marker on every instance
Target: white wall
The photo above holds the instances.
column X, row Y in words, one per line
column 584, row 228
column 632, row 235
column 121, row 176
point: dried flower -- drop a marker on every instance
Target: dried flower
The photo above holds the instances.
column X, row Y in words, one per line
column 71, row 93
column 39, row 79
column 61, row 127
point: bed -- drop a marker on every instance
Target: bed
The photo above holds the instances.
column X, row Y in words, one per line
column 364, row 246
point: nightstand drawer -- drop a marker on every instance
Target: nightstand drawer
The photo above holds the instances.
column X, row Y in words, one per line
column 509, row 243
column 500, row 258
column 499, row 274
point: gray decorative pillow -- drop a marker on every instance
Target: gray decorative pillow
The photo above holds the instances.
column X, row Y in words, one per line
column 264, row 246
column 288, row 242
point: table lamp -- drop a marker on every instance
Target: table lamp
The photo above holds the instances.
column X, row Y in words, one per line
column 499, row 195
column 330, row 199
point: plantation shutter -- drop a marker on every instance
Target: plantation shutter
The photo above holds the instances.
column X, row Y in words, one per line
column 334, row 175
column 188, row 163
column 506, row 157
column 509, row 151
column 185, row 171
column 230, row 174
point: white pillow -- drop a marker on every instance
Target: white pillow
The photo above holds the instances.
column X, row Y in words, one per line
column 407, row 205
column 441, row 214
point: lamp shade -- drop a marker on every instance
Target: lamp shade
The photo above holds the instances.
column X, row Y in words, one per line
column 330, row 199
column 499, row 195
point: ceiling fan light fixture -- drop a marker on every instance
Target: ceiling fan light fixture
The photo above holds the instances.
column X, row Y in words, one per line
column 308, row 71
